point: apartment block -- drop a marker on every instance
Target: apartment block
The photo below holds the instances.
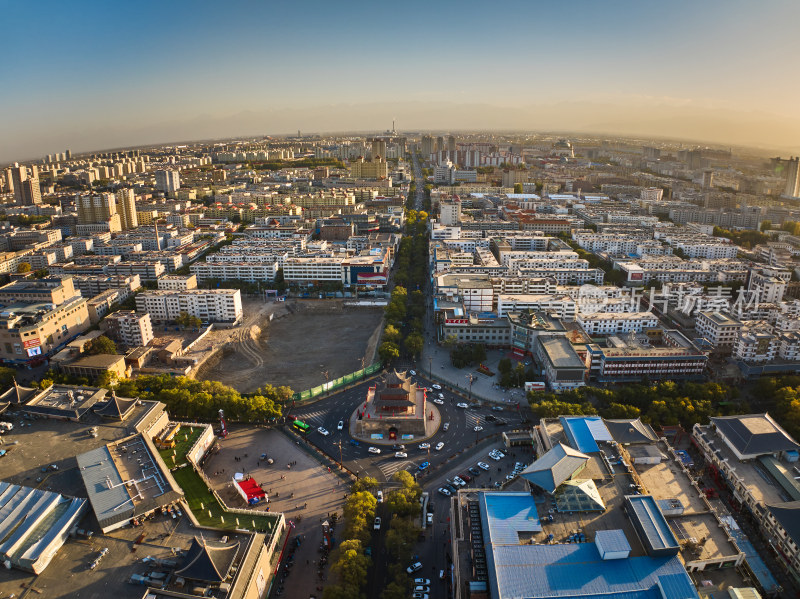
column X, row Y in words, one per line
column 718, row 328
column 213, row 305
column 128, row 327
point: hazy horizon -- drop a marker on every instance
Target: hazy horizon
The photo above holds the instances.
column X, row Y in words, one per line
column 714, row 72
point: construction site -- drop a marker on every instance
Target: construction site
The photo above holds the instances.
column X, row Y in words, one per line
column 297, row 343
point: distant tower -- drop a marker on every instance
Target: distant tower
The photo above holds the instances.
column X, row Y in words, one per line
column 68, row 154
column 792, row 189
column 394, row 132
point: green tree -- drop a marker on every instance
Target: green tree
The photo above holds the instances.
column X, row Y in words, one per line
column 504, row 365
column 517, row 187
column 6, row 377
column 100, row 345
column 23, row 267
column 765, row 225
column 388, row 352
column 414, row 343
column 391, row 334
column 280, row 281
column 366, row 483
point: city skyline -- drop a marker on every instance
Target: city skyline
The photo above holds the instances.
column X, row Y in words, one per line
column 715, row 72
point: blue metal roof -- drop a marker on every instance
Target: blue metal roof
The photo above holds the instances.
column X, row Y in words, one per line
column 653, row 524
column 566, row 571
column 508, row 514
column 570, row 570
column 580, row 434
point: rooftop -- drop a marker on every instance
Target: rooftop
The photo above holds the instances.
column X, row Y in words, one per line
column 754, row 434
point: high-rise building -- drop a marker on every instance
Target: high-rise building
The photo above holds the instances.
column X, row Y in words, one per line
column 68, row 154
column 168, row 181
column 792, row 189
column 95, row 209
column 708, row 178
column 451, row 145
column 126, row 208
column 378, row 149
column 427, row 146
column 26, row 188
column 439, row 144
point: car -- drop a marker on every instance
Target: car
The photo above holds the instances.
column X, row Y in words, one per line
column 415, row 567
column 422, row 581
column 519, row 465
column 490, row 418
column 498, row 484
column 323, row 431
column 444, row 492
column 478, row 428
column 354, row 443
column 438, row 402
column 510, row 477
column 412, row 372
column 461, row 405
column 398, row 447
column 500, row 422
column 451, row 488
column 439, row 446
column 483, row 465
column 421, row 588
column 459, row 482
column 374, row 450
column 437, row 386
column 495, row 457
column 400, row 454
column 379, row 494
column 424, row 445
column 445, row 426
column 420, row 596
column 377, row 524
column 340, row 426
column 424, row 465
column 497, row 408
column 465, row 477
column 500, row 452
column 474, row 471
column 441, row 395
column 430, row 518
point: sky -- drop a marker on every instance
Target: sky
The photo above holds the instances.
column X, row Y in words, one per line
column 96, row 75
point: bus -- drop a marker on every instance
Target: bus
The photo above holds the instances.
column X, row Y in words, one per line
column 301, row 427
column 167, row 439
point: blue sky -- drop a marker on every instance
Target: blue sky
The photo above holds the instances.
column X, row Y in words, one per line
column 105, row 74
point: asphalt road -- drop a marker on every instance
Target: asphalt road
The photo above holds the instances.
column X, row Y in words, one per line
column 328, row 412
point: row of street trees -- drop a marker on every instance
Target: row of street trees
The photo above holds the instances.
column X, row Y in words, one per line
column 349, row 561
column 405, row 313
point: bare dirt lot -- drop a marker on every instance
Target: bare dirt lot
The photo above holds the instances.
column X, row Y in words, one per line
column 305, row 341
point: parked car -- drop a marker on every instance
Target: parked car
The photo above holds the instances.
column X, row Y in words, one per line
column 444, row 492
column 415, row 567
column 421, row 581
column 377, row 524
column 465, row 477
column 473, row 471
column 483, row 465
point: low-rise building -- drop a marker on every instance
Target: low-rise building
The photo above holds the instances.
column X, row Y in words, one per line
column 95, row 366
column 616, row 323
column 563, row 368
column 718, row 328
column 129, row 327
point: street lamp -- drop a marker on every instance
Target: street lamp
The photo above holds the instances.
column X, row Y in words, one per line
column 470, row 378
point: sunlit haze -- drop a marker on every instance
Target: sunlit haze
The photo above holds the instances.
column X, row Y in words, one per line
column 90, row 76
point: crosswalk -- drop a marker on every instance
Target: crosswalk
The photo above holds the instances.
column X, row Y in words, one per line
column 388, row 468
column 317, row 417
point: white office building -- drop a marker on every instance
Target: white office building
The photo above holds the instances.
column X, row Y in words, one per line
column 209, row 305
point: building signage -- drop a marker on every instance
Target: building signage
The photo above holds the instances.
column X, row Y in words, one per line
column 32, row 343
column 457, row 321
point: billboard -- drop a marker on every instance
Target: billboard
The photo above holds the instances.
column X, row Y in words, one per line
column 32, row 343
column 636, row 276
column 34, row 351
